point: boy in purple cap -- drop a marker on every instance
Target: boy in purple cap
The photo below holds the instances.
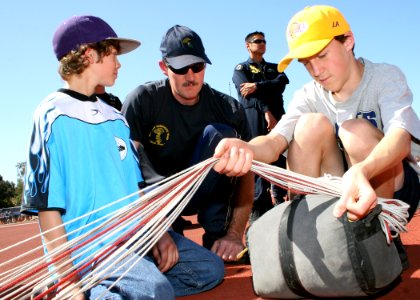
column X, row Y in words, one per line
column 354, row 119
column 81, row 159
column 179, row 121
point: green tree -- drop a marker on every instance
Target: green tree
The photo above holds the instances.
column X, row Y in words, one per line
column 7, row 193
column 20, row 169
column 17, row 199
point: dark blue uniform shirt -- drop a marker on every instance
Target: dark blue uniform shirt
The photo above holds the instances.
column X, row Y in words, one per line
column 270, row 86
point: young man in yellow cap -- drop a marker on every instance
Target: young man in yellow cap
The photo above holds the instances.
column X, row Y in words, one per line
column 354, row 119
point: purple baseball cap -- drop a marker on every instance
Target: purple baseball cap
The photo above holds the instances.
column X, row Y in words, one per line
column 181, row 47
column 79, row 30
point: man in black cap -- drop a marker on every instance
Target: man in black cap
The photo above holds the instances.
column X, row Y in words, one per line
column 179, row 121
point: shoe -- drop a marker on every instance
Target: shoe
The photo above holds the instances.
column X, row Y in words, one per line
column 179, row 225
column 210, row 237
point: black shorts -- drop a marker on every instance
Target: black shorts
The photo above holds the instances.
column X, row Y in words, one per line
column 410, row 191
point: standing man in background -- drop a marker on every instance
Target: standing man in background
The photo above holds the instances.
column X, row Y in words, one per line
column 260, row 90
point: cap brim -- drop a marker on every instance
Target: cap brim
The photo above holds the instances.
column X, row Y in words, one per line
column 181, row 61
column 306, row 50
column 126, row 45
column 284, row 63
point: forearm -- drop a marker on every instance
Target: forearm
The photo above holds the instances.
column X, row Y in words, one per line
column 243, row 198
column 274, row 86
column 54, row 237
column 267, row 148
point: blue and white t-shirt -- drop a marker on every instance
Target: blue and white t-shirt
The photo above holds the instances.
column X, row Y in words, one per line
column 80, row 159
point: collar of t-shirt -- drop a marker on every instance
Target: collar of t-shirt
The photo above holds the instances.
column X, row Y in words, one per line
column 262, row 63
column 78, row 95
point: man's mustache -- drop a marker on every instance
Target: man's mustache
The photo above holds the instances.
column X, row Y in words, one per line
column 190, row 83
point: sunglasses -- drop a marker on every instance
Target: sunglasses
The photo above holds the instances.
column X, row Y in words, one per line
column 259, row 41
column 198, row 67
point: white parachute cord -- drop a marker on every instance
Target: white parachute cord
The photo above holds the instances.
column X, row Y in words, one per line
column 146, row 229
column 78, row 240
column 16, row 245
column 161, row 222
column 163, row 226
column 392, row 218
column 46, row 279
column 296, row 182
column 155, row 212
column 52, row 229
column 49, row 256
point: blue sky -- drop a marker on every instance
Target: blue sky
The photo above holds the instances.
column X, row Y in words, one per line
column 385, row 31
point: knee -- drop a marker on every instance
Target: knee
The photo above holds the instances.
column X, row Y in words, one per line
column 359, row 137
column 163, row 289
column 144, row 288
column 145, row 280
column 222, row 130
column 215, row 271
column 357, row 127
column 312, row 127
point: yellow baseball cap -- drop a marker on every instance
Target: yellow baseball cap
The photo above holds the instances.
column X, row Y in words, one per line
column 310, row 31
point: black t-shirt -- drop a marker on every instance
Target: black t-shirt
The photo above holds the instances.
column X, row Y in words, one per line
column 169, row 130
column 110, row 99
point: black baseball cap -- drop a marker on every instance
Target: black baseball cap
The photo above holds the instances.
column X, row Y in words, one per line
column 182, row 47
column 79, row 30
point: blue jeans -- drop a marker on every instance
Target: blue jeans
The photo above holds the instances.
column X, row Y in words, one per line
column 197, row 270
column 212, row 202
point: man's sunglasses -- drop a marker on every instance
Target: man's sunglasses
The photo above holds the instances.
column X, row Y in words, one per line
column 259, row 41
column 198, row 67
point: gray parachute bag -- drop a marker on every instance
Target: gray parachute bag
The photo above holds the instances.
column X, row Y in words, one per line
column 299, row 249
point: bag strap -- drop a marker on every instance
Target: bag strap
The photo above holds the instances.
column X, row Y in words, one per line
column 359, row 257
column 287, row 261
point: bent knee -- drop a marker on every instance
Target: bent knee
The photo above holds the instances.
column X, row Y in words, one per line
column 212, row 271
column 312, row 126
column 218, row 270
column 359, row 127
column 359, row 136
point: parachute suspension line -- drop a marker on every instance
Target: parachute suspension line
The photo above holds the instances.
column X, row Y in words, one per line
column 134, row 228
